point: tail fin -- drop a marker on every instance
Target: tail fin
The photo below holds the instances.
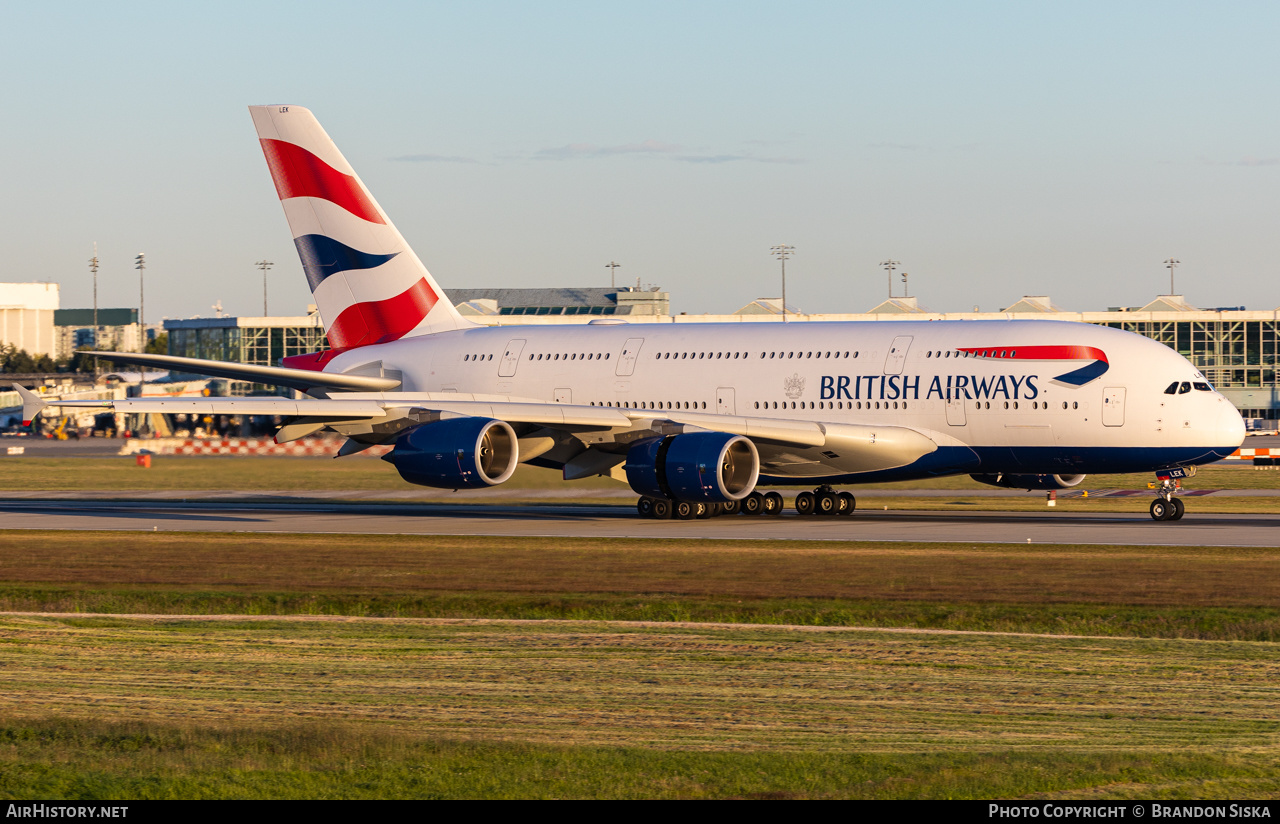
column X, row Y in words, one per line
column 368, row 284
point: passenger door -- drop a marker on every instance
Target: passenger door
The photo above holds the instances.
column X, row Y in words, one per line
column 1113, row 406
column 897, row 355
column 955, row 412
column 627, row 360
column 511, row 359
column 724, row 401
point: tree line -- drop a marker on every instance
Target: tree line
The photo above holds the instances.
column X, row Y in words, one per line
column 15, row 361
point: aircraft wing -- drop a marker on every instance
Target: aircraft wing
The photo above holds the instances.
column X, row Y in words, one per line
column 371, row 408
column 791, row 448
column 304, row 380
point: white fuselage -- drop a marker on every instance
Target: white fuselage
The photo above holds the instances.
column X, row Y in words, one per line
column 1002, row 391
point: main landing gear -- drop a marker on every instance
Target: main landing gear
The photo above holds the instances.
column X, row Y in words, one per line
column 664, row 508
column 1166, row 507
column 825, row 501
column 822, row 501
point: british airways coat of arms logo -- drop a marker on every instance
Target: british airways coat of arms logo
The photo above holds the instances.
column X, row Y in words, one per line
column 793, row 386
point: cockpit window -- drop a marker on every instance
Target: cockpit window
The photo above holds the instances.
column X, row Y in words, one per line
column 1184, row 388
column 1203, row 387
column 1173, row 389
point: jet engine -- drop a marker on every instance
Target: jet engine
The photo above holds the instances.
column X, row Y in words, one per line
column 1030, row 481
column 700, row 467
column 456, row 453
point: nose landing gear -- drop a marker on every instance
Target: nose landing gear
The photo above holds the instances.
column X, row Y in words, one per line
column 1166, row 507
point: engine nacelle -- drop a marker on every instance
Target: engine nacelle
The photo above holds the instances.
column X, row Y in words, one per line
column 456, row 453
column 701, row 467
column 1030, row 481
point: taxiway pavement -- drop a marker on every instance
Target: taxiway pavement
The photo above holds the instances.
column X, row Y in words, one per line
column 621, row 522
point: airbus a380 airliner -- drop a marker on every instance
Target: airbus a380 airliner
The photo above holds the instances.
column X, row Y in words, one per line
column 696, row 417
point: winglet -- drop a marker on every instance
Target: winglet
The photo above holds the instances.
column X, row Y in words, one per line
column 32, row 404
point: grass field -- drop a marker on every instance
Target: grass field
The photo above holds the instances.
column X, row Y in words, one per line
column 1208, row 593
column 359, row 473
column 407, row 707
column 209, row 476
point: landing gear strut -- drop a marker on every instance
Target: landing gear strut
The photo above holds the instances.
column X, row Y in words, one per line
column 1166, row 507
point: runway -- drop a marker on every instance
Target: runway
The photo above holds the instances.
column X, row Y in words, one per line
column 621, row 522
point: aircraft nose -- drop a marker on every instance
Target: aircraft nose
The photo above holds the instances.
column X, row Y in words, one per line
column 1229, row 431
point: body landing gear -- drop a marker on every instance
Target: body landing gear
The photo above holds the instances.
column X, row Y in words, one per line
column 1166, row 507
column 825, row 501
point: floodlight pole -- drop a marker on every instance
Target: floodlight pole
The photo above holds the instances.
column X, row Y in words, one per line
column 264, row 265
column 93, row 267
column 613, row 271
column 141, row 265
column 889, row 266
column 1171, row 264
column 782, row 251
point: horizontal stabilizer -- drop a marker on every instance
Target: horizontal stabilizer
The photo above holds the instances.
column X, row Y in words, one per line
column 304, row 380
column 31, row 404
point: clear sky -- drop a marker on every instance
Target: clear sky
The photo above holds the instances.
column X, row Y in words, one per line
column 996, row 149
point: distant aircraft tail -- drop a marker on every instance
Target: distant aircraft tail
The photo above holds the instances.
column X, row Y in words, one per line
column 368, row 284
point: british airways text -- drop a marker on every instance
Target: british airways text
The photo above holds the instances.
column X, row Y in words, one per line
column 944, row 387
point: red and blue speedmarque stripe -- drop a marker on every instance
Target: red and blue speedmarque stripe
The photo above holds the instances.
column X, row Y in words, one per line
column 1078, row 377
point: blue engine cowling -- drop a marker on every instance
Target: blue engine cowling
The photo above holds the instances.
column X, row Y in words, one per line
column 701, row 467
column 1030, row 481
column 456, row 453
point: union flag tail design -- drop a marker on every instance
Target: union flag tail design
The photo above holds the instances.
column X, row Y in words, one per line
column 368, row 284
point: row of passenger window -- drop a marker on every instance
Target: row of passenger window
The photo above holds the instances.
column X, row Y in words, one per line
column 698, row 355
column 744, row 355
column 781, row 355
column 837, row 405
column 829, row 405
column 784, row 355
column 652, row 404
column 992, row 353
column 568, row 356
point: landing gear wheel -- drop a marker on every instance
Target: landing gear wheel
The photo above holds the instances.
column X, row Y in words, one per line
column 705, row 510
column 661, row 509
column 805, row 503
column 1179, row 508
column 731, row 508
column 847, row 503
column 684, row 510
column 828, row 503
column 1161, row 510
column 753, row 504
column 772, row 504
column 644, row 506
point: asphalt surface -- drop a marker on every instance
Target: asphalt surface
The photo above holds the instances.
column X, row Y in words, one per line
column 621, row 522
